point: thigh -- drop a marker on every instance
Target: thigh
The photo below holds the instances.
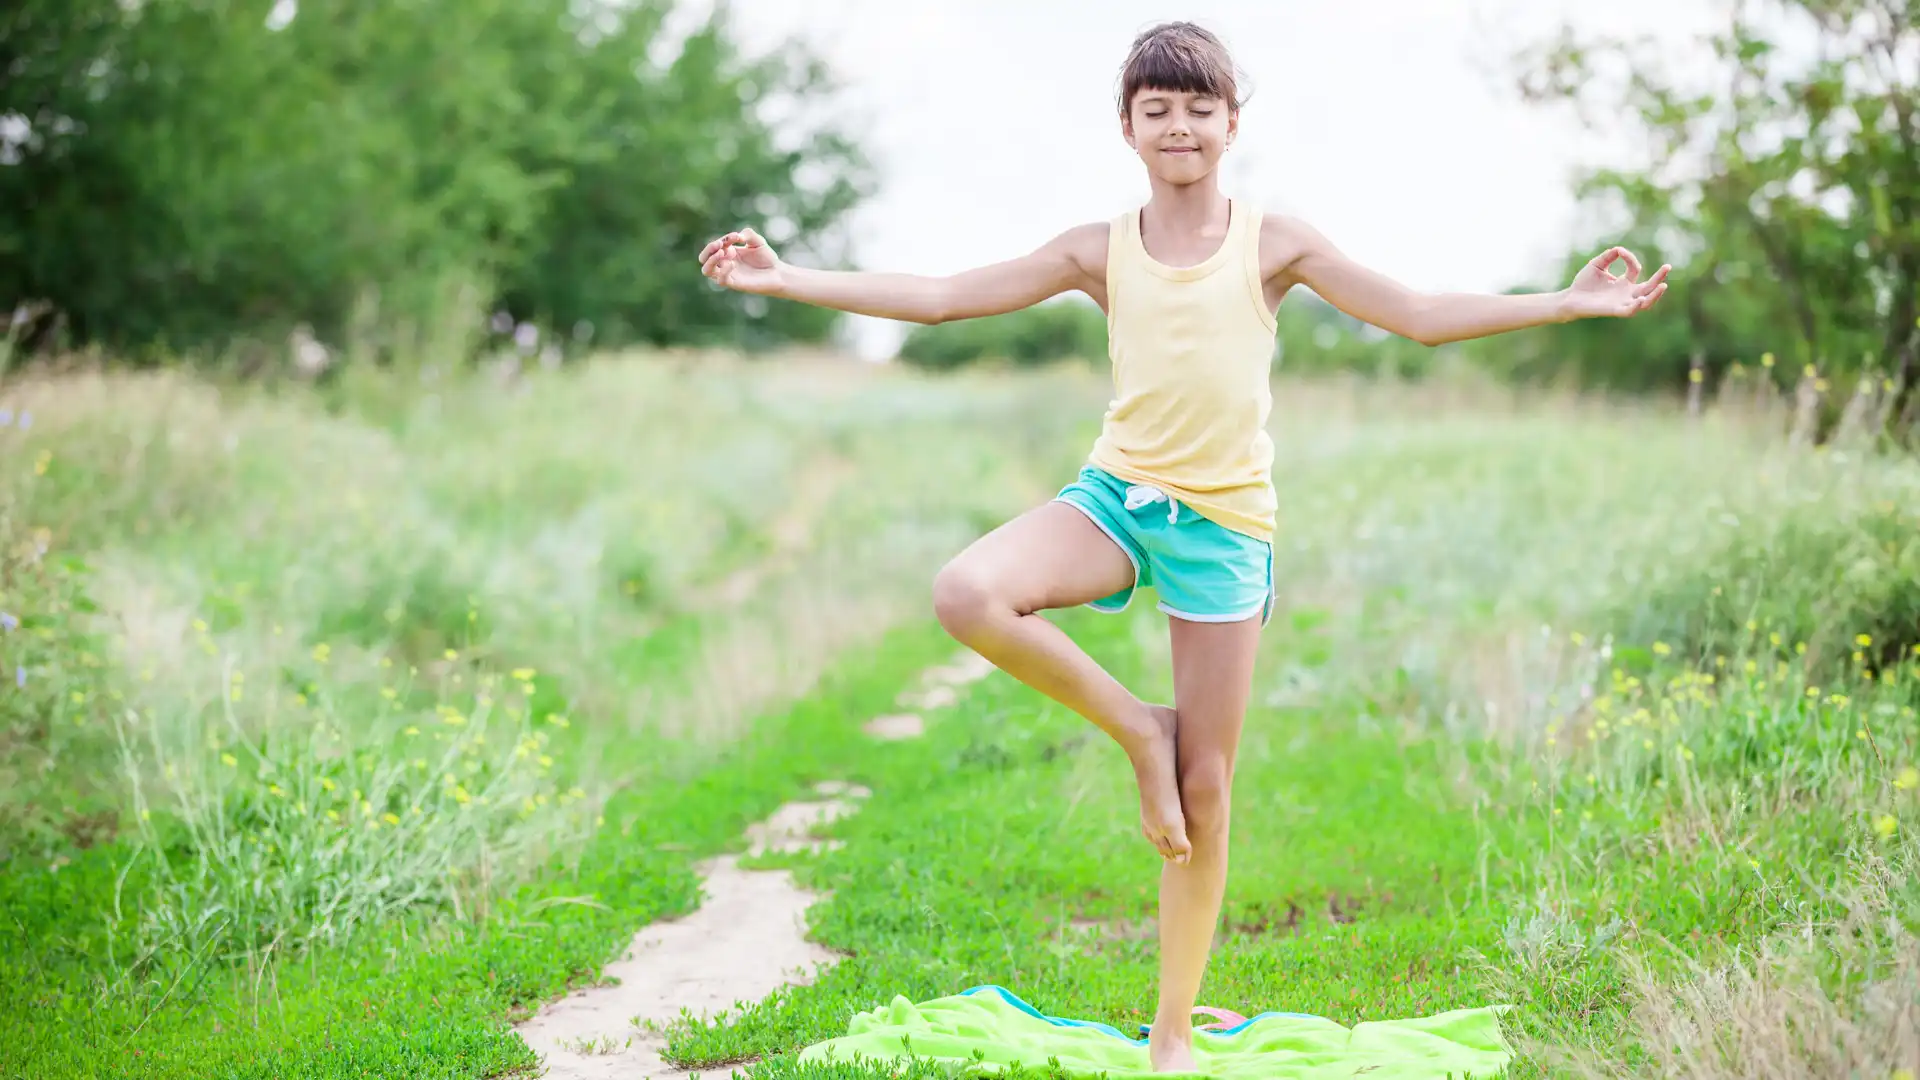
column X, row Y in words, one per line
column 1051, row 556
column 1212, row 685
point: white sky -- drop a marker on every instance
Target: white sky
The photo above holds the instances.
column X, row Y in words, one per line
column 1391, row 125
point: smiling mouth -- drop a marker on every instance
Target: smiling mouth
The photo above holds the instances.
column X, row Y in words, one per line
column 1181, row 150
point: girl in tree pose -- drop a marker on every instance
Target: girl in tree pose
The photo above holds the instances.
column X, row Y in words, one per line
column 1177, row 491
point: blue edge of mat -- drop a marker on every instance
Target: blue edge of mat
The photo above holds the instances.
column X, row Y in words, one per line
column 1010, row 998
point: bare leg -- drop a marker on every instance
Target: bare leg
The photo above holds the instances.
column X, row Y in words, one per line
column 1212, row 680
column 1053, row 557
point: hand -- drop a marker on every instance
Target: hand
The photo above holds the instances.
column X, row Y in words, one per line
column 742, row 261
column 1595, row 292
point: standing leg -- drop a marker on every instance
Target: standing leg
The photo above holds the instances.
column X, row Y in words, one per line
column 1053, row 557
column 1212, row 680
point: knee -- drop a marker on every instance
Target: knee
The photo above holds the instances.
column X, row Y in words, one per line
column 963, row 599
column 1206, row 792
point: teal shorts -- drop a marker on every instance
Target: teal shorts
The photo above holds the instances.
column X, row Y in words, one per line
column 1203, row 571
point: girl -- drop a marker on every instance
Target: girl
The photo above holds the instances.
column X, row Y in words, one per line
column 1177, row 492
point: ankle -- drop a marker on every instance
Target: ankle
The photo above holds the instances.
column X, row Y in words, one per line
column 1177, row 1028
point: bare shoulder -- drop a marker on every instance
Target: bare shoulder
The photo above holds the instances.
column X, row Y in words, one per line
column 1086, row 246
column 1284, row 240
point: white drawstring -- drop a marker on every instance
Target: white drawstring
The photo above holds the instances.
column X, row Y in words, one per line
column 1140, row 495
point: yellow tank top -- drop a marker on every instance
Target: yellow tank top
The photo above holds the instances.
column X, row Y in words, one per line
column 1192, row 352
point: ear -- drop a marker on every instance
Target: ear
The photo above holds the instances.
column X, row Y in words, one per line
column 1233, row 125
column 1126, row 127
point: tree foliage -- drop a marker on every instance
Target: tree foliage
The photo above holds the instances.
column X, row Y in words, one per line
column 1779, row 173
column 177, row 172
column 1066, row 328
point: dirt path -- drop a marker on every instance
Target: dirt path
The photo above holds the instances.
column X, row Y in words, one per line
column 791, row 532
column 747, row 938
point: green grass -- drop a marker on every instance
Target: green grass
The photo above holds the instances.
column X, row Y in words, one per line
column 1016, row 866
column 1522, row 732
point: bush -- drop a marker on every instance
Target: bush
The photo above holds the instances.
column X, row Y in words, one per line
column 1830, row 578
column 250, row 837
column 1042, row 334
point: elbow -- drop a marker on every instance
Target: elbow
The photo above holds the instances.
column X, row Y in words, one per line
column 938, row 306
column 1422, row 324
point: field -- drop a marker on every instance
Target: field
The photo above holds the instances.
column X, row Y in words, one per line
column 348, row 726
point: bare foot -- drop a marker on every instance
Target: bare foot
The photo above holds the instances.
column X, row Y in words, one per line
column 1170, row 1048
column 1155, row 769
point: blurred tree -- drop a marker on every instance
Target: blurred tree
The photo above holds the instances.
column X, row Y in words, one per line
column 1782, row 180
column 1314, row 337
column 178, row 173
column 1064, row 328
column 680, row 153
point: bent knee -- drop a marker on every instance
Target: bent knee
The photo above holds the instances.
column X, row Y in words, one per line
column 963, row 598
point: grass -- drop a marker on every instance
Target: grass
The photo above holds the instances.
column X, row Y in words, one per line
column 1581, row 707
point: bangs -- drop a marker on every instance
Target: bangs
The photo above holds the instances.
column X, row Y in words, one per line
column 1180, row 63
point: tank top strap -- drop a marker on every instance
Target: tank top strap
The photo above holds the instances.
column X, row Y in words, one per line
column 1121, row 246
column 1250, row 216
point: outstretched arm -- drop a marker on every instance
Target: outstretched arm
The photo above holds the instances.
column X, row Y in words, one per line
column 744, row 261
column 1439, row 318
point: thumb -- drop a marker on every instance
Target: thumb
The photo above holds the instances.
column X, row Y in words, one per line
column 753, row 239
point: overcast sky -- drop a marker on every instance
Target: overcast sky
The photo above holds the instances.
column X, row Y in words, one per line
column 1388, row 124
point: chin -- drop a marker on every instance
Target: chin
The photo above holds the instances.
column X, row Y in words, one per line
column 1182, row 177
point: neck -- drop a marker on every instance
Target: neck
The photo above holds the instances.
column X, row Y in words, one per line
column 1196, row 207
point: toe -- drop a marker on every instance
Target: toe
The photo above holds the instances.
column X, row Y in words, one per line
column 1179, row 848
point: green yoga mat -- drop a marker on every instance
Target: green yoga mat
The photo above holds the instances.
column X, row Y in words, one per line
column 995, row 1025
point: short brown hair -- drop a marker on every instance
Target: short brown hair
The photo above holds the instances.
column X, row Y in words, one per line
column 1179, row 56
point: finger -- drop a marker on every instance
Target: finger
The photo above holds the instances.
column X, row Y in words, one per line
column 1642, row 303
column 1659, row 278
column 752, row 239
column 1633, row 264
column 1605, row 259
